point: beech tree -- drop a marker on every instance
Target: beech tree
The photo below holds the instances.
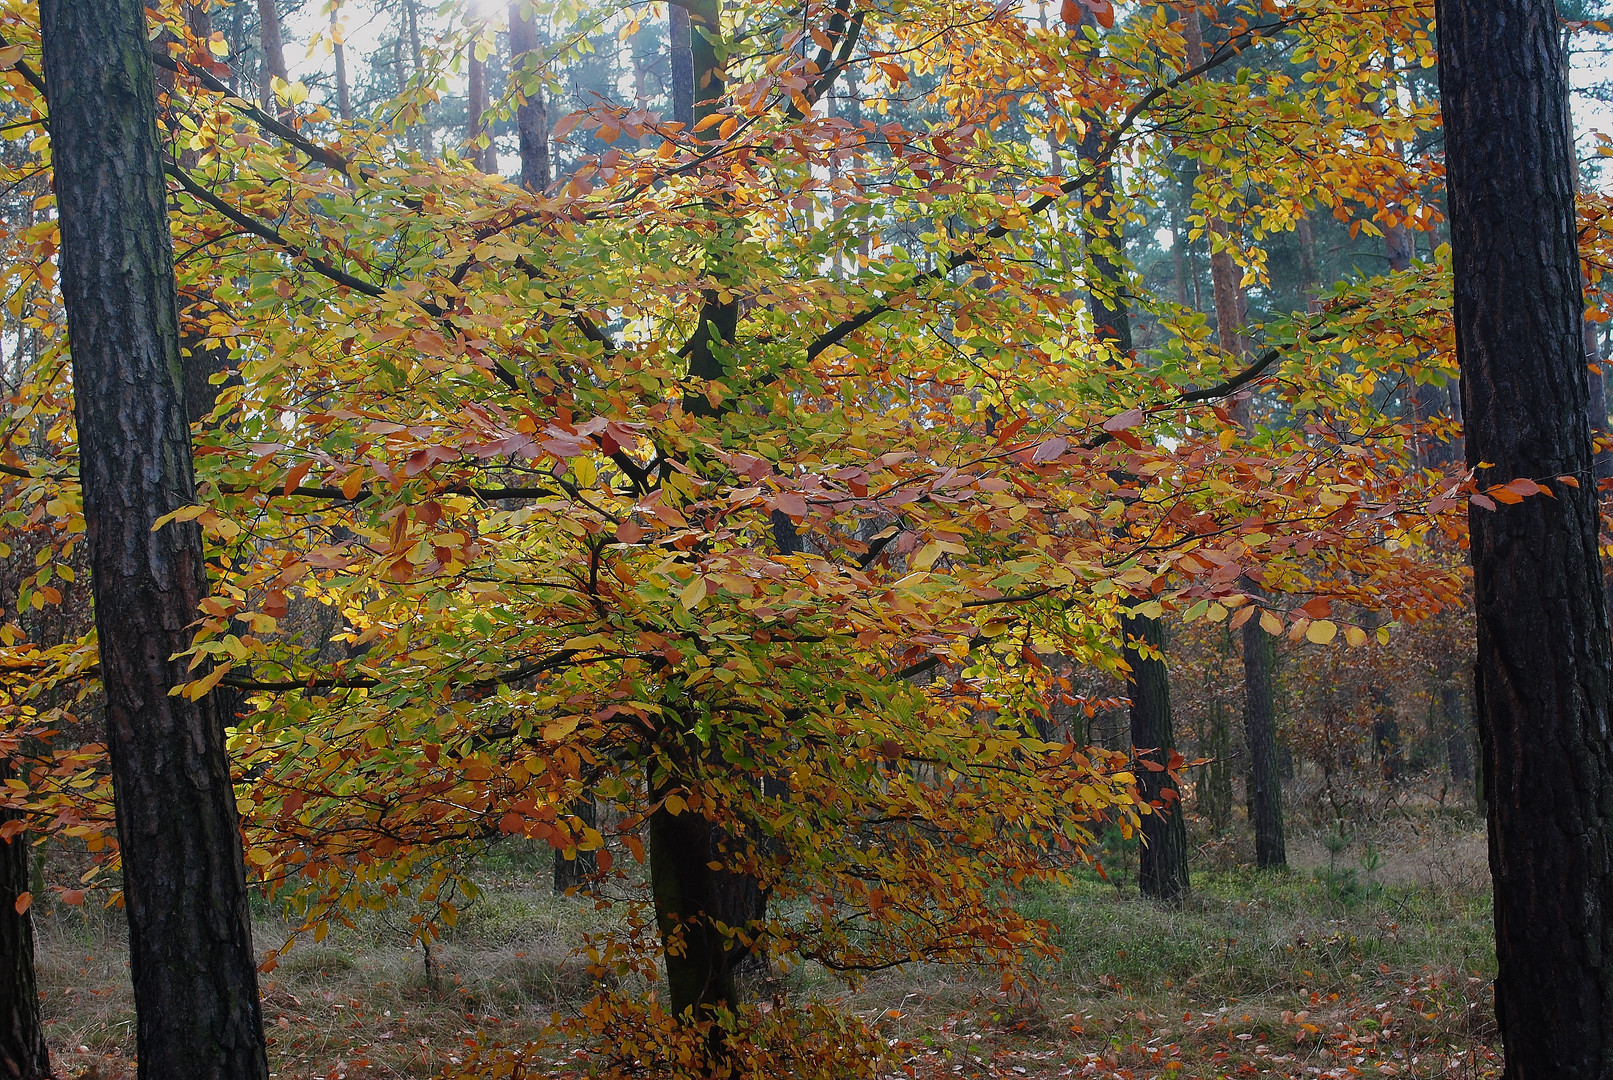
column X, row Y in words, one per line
column 184, row 883
column 1544, row 678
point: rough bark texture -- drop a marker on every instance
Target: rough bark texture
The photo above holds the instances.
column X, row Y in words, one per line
column 532, row 115
column 699, row 967
column 190, row 942
column 1162, row 860
column 23, row 1055
column 1260, row 728
column 1542, row 696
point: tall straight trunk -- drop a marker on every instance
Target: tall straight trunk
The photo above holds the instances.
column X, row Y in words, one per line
column 682, row 64
column 344, row 95
column 532, row 114
column 1544, row 678
column 274, row 53
column 23, row 1054
column 1453, row 717
column 483, row 157
column 1265, row 789
column 411, row 13
column 190, row 940
column 1308, row 276
column 1162, row 860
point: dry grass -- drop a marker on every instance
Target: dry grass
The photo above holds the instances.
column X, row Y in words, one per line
column 1347, row 942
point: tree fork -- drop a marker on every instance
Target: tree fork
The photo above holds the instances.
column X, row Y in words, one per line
column 195, row 980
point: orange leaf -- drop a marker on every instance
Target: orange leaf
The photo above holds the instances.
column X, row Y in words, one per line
column 24, row 901
column 74, row 896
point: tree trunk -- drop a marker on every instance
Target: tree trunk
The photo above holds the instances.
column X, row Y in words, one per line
column 1260, row 728
column 1265, row 791
column 344, row 96
column 22, row 1038
column 484, row 158
column 682, row 62
column 1458, row 755
column 1162, row 861
column 411, row 13
column 274, row 54
column 1544, row 687
column 532, row 114
column 699, row 972
column 190, row 942
column 569, row 873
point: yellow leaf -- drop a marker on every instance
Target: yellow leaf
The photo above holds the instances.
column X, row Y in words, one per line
column 693, row 593
column 1270, row 623
column 219, row 47
column 561, row 728
column 1355, row 635
column 9, row 56
column 1321, row 632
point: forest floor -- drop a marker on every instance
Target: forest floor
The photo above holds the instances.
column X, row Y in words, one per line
column 1370, row 956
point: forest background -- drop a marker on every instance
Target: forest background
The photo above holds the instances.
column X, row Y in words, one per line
column 883, row 478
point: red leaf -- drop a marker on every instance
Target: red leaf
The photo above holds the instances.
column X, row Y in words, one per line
column 629, row 533
column 1484, row 501
column 791, row 503
column 1128, row 419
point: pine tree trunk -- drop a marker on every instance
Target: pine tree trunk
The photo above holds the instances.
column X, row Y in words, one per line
column 344, row 96
column 1162, row 860
column 1260, row 728
column 274, row 54
column 190, row 943
column 22, row 1037
column 682, row 64
column 532, row 115
column 1458, row 754
column 476, row 108
column 1265, row 786
column 1544, row 689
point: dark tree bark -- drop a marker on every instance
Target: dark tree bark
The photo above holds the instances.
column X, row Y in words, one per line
column 22, row 1037
column 1260, row 729
column 532, row 115
column 1544, row 687
column 682, row 64
column 569, row 873
column 190, row 942
column 1162, row 860
column 1265, row 789
column 1458, row 753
